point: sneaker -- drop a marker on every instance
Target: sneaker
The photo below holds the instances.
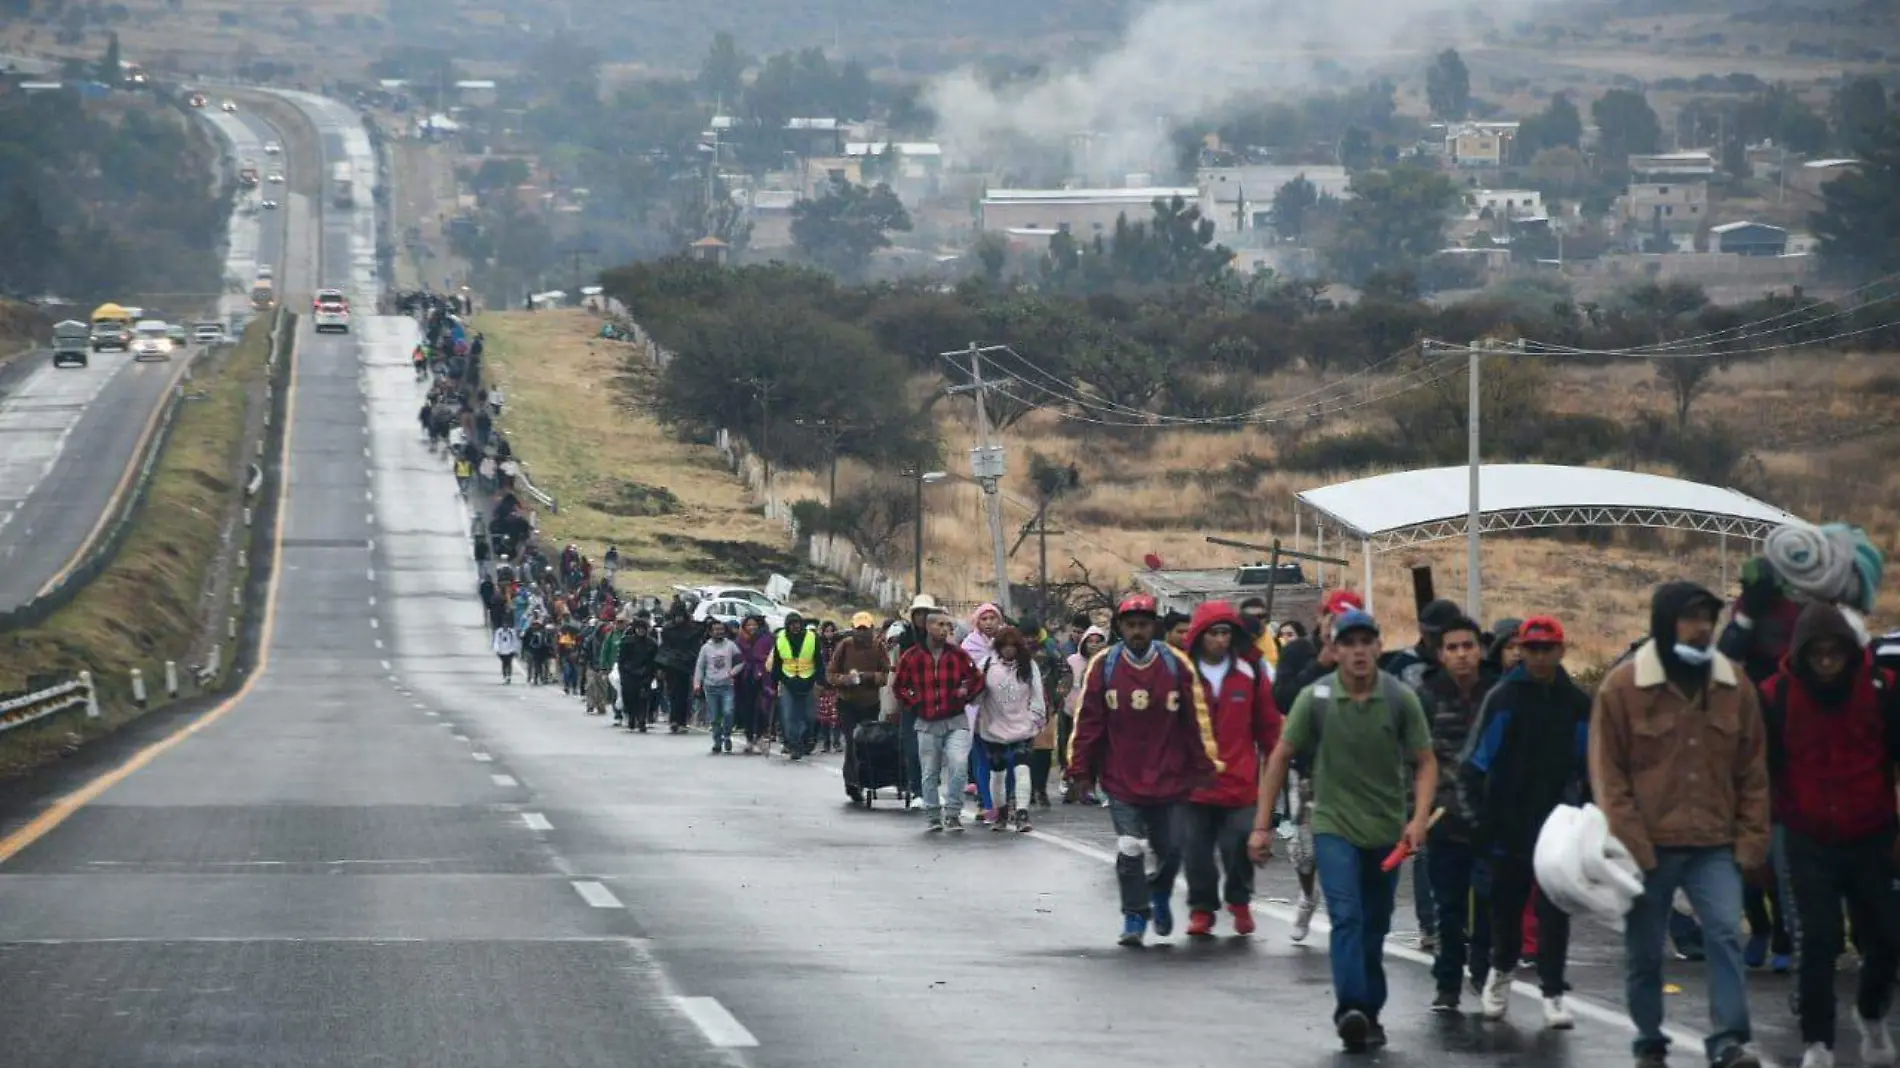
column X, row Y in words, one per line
column 1164, row 915
column 1200, row 924
column 1736, row 1056
column 1427, row 942
column 933, row 825
column 1353, row 1028
column 1876, row 1042
column 1303, row 916
column 1243, row 919
column 999, row 824
column 1557, row 1015
column 969, row 789
column 727, row 745
column 1375, row 1035
column 1134, row 926
column 1446, row 1003
column 1022, row 821
column 1781, row 963
column 953, row 824
column 1817, row 1055
column 1495, row 1002
column 988, row 816
column 1755, row 953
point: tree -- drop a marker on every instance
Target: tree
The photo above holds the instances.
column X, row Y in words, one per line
column 1859, row 221
column 841, row 229
column 1860, row 110
column 1627, row 123
column 1292, row 203
column 1448, row 86
column 109, row 64
column 498, row 173
column 722, row 72
column 1355, row 149
column 1394, row 220
column 871, row 516
column 1687, row 379
column 1558, row 125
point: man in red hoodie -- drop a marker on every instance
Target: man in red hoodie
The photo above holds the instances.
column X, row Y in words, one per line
column 1239, row 697
column 1143, row 731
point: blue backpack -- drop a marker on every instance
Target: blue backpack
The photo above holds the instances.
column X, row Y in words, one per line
column 1114, row 656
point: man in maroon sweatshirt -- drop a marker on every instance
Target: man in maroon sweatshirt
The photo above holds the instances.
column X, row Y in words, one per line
column 1144, row 732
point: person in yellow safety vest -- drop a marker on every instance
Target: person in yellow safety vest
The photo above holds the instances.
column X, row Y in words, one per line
column 799, row 671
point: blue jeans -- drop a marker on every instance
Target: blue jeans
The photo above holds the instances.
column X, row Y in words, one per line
column 1359, row 902
column 1462, row 912
column 1164, row 830
column 1713, row 884
column 945, row 763
column 797, row 714
column 719, row 705
column 980, row 775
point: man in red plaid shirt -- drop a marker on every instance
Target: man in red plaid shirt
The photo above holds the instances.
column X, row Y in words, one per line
column 935, row 681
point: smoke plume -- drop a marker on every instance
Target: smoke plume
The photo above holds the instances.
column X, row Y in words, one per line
column 1188, row 59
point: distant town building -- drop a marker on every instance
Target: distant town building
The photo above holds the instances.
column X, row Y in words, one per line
column 1505, row 203
column 1082, row 212
column 1669, row 192
column 1480, row 144
column 1749, row 239
column 1241, row 197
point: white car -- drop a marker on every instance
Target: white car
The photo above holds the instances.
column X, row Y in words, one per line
column 208, row 333
column 275, row 179
column 331, row 310
column 271, row 148
column 151, row 340
column 732, row 612
column 264, row 271
column 230, row 107
column 270, row 205
column 762, row 601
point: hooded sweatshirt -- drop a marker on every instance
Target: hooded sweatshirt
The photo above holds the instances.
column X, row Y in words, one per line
column 1144, row 733
column 978, row 646
column 1010, row 708
column 1671, row 601
column 1246, row 722
column 1077, row 666
column 1832, row 746
column 1528, row 754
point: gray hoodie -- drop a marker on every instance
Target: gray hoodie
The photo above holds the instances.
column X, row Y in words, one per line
column 718, row 662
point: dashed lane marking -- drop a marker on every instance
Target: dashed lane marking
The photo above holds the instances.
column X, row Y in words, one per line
column 720, row 1027
column 483, row 758
column 504, row 780
column 536, row 821
column 596, row 894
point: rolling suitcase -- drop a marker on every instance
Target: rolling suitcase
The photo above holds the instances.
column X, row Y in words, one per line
column 878, row 761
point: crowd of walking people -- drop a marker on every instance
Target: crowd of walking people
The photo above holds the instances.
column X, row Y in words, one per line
column 1743, row 755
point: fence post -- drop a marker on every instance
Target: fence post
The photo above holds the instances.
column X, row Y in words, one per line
column 92, row 695
column 138, row 687
column 171, row 678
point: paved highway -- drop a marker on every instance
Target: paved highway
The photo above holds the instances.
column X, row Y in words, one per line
column 69, row 437
column 376, row 853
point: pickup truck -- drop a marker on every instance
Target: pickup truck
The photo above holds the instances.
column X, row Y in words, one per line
column 72, row 344
column 208, row 333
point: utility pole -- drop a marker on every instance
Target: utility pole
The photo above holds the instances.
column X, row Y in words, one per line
column 1039, row 526
column 987, row 464
column 1474, row 585
column 762, row 392
column 834, row 431
column 917, row 537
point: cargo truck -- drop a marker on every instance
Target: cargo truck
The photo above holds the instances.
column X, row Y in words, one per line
column 72, row 343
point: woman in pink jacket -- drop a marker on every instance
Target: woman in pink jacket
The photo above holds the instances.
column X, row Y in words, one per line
column 1010, row 713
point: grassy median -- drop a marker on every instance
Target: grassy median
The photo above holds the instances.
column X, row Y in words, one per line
column 146, row 607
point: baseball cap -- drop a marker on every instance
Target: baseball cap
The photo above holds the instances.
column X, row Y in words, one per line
column 1354, row 619
column 1137, row 605
column 1339, row 602
column 863, row 619
column 1541, row 630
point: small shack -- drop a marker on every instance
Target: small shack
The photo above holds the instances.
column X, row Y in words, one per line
column 1749, row 239
column 1294, row 597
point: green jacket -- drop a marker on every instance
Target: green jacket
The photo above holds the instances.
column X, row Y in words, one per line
column 607, row 651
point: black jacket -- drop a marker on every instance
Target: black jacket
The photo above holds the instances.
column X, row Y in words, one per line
column 1452, row 716
column 639, row 656
column 1527, row 755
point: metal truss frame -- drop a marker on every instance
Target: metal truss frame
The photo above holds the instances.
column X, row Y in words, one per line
column 1568, row 516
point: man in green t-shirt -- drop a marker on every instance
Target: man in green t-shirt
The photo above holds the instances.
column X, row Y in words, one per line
column 1358, row 729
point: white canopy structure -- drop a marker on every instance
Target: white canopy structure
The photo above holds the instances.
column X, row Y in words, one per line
column 1412, row 507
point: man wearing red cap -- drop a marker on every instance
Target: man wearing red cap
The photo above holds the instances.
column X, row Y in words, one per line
column 1528, row 754
column 1143, row 730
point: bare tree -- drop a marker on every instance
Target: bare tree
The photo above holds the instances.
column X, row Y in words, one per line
column 1687, row 379
column 872, row 516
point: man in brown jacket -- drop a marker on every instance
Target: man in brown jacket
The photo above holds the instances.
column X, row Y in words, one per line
column 859, row 667
column 1678, row 764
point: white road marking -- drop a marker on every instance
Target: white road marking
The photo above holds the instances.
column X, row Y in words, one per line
column 596, row 895
column 504, row 780
column 374, row 623
column 720, row 1027
column 371, row 572
column 385, row 665
column 369, row 495
column 482, row 758
column 459, row 737
column 379, row 643
column 432, row 712
column 536, row 821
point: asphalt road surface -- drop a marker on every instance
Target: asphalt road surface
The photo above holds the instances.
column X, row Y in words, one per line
column 69, row 435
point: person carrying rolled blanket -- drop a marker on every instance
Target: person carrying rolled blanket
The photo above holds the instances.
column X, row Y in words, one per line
column 1801, row 564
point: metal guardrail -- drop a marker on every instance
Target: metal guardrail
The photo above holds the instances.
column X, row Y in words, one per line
column 33, row 707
